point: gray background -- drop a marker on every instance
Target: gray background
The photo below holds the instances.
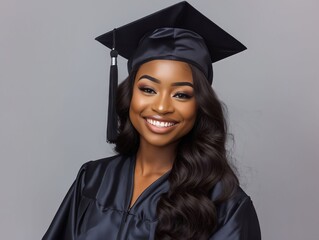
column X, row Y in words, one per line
column 53, row 93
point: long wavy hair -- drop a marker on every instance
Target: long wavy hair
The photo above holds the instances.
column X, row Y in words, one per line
column 187, row 210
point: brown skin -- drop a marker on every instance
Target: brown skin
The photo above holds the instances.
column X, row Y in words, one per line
column 163, row 110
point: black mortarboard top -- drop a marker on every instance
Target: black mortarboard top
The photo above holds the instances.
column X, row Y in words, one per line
column 179, row 32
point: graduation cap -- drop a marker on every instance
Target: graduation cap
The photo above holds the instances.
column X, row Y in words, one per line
column 179, row 32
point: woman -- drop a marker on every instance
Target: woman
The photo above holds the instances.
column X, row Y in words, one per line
column 171, row 179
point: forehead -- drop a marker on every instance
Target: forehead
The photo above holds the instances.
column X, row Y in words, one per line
column 166, row 70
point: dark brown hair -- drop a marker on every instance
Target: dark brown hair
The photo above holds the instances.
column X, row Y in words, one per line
column 201, row 162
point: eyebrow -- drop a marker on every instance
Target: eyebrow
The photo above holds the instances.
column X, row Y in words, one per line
column 173, row 84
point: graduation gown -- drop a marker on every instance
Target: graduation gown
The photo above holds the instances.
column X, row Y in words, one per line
column 97, row 207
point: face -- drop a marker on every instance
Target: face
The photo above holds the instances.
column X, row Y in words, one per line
column 163, row 107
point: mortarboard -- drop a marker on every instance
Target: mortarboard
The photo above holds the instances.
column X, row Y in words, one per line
column 179, row 32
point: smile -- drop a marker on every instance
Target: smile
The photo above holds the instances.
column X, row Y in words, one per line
column 159, row 124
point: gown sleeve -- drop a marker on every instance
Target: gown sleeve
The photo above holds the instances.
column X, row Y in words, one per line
column 63, row 226
column 239, row 223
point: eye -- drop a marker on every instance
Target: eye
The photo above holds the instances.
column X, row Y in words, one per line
column 147, row 90
column 181, row 95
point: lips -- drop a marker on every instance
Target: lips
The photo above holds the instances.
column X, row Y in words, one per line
column 160, row 124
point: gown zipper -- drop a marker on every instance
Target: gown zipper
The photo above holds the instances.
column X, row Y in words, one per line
column 130, row 195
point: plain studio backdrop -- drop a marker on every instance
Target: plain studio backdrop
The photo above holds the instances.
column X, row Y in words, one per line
column 53, row 100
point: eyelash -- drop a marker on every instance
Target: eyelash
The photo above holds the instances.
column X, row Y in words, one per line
column 179, row 95
column 147, row 90
column 182, row 96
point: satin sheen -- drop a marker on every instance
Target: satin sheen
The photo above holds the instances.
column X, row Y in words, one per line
column 173, row 44
column 97, row 207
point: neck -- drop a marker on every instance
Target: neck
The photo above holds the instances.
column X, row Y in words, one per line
column 153, row 159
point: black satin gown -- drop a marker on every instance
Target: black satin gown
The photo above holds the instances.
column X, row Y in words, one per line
column 97, row 207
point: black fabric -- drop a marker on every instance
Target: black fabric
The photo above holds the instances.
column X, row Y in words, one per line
column 173, row 44
column 97, row 207
column 179, row 32
column 218, row 43
column 112, row 126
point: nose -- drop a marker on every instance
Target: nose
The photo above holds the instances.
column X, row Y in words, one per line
column 163, row 104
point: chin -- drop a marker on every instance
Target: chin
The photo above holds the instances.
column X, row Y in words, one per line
column 159, row 141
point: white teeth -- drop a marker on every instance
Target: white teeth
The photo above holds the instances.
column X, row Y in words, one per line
column 159, row 124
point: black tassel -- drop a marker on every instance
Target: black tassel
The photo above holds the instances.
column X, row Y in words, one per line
column 112, row 119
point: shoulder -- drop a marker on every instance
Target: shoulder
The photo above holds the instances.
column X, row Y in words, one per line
column 97, row 167
column 236, row 215
column 238, row 198
column 92, row 173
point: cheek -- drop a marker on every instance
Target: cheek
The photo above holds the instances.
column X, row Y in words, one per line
column 133, row 116
column 132, row 110
column 190, row 122
column 137, row 106
column 189, row 112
